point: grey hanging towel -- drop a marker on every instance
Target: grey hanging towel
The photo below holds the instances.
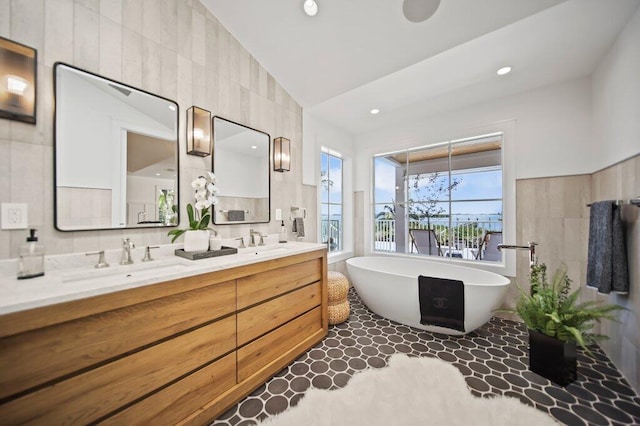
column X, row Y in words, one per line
column 607, row 258
column 441, row 302
column 236, row 215
column 619, row 266
column 298, row 226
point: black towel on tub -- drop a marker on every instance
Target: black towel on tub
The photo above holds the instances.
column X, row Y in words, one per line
column 441, row 302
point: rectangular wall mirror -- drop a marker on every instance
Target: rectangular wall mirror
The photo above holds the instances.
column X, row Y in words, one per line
column 241, row 165
column 116, row 154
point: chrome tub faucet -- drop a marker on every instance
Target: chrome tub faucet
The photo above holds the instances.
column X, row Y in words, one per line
column 531, row 246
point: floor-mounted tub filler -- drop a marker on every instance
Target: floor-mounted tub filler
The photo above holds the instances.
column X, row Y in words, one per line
column 389, row 287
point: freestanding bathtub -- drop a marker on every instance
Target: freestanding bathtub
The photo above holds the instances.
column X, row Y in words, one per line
column 389, row 287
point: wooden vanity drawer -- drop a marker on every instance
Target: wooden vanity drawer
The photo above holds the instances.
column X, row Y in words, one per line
column 265, row 285
column 45, row 354
column 89, row 396
column 269, row 347
column 263, row 318
column 182, row 398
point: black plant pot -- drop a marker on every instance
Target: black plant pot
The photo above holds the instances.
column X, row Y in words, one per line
column 552, row 358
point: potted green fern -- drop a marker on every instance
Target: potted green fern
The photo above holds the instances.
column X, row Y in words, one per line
column 557, row 323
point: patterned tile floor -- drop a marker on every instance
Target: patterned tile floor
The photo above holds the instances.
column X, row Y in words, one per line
column 493, row 360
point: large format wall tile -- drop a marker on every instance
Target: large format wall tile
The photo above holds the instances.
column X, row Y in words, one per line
column 554, row 213
column 174, row 48
column 621, row 182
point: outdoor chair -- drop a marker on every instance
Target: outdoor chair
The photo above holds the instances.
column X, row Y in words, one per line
column 488, row 249
column 425, row 241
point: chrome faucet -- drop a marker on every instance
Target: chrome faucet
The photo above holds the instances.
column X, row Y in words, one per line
column 531, row 246
column 252, row 235
column 241, row 245
column 147, row 253
column 102, row 263
column 127, row 245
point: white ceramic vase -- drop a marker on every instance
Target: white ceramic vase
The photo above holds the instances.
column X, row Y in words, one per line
column 196, row 240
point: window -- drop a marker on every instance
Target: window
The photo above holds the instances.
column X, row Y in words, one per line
column 331, row 203
column 166, row 207
column 441, row 200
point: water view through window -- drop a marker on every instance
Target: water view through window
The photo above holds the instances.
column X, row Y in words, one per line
column 441, row 200
column 331, row 222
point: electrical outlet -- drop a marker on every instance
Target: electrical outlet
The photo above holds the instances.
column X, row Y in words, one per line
column 14, row 216
column 278, row 214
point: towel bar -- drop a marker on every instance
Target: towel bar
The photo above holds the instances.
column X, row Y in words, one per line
column 294, row 211
column 632, row 201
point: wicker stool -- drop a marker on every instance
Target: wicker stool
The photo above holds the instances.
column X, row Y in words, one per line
column 337, row 289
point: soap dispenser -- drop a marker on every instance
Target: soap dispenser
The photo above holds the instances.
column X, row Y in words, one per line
column 31, row 261
column 283, row 233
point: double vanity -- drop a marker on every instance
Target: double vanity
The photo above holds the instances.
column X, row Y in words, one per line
column 166, row 341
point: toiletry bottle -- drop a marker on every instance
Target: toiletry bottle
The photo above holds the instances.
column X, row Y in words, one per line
column 283, row 233
column 31, row 261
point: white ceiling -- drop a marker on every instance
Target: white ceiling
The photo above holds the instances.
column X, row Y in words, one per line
column 345, row 61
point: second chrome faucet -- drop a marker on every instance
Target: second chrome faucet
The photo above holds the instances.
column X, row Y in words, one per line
column 252, row 236
column 127, row 245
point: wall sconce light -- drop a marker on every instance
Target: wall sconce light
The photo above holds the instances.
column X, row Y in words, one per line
column 17, row 81
column 198, row 131
column 281, row 154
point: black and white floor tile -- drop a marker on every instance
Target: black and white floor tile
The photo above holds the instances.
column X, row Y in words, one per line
column 493, row 359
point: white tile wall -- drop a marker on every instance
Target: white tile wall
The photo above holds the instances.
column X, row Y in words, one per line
column 174, row 48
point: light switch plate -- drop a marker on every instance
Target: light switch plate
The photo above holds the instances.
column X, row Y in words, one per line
column 278, row 214
column 14, row 216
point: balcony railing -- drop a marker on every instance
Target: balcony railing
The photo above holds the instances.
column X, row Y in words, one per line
column 463, row 235
column 330, row 234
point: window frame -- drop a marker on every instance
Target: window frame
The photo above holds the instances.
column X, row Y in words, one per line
column 506, row 133
column 341, row 234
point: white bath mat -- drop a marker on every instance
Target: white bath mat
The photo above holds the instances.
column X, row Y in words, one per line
column 410, row 391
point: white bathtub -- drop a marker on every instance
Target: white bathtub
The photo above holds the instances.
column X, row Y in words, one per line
column 389, row 287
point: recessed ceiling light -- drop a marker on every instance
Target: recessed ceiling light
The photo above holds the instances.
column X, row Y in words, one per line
column 504, row 70
column 254, row 147
column 310, row 7
column 157, row 174
column 374, row 111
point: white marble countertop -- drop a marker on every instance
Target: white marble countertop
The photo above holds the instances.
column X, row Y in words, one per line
column 73, row 276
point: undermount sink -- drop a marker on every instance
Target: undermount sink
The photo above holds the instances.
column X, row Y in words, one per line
column 125, row 272
column 264, row 250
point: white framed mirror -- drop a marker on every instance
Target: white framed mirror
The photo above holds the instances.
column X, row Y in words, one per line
column 241, row 165
column 116, row 154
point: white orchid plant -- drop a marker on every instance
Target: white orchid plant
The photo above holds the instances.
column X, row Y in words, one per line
column 199, row 215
